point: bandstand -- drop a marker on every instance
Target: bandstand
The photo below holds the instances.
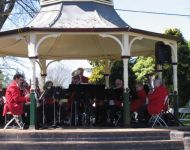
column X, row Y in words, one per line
column 82, row 29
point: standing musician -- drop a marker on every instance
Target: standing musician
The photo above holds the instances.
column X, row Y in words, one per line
column 78, row 77
column 75, row 95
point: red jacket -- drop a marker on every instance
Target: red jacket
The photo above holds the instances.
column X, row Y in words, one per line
column 137, row 103
column 14, row 99
column 84, row 79
column 156, row 100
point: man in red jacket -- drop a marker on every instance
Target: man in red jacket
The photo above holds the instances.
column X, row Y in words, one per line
column 14, row 99
column 156, row 98
column 83, row 79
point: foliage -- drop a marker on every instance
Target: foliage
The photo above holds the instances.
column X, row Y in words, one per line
column 144, row 66
column 97, row 76
column 183, row 66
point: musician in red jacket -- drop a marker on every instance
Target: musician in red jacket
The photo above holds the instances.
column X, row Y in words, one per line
column 141, row 98
column 82, row 78
column 156, row 98
column 14, row 99
column 155, row 102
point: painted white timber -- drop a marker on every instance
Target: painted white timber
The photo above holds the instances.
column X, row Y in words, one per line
column 33, row 75
column 44, row 38
column 151, row 37
column 107, row 73
column 45, row 2
column 175, row 79
column 133, row 40
column 32, row 46
column 43, row 71
column 104, row 35
column 159, row 67
column 125, row 52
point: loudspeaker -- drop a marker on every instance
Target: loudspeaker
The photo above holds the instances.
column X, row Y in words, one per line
column 162, row 53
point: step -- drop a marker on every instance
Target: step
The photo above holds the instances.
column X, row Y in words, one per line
column 86, row 145
column 85, row 135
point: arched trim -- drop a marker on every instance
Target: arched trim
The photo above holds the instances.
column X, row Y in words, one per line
column 114, row 38
column 44, row 38
column 133, row 40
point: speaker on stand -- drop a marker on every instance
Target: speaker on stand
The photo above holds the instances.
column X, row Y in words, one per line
column 162, row 53
column 162, row 56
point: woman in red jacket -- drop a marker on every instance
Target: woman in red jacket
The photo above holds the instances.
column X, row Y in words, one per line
column 14, row 98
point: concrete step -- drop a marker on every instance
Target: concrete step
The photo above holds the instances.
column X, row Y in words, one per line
column 85, row 135
column 98, row 145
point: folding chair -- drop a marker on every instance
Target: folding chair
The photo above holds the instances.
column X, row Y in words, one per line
column 184, row 113
column 16, row 118
column 157, row 119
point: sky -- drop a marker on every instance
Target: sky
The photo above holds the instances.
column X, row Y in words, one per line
column 154, row 22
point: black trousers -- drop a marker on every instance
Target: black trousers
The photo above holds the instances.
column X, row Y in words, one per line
column 143, row 115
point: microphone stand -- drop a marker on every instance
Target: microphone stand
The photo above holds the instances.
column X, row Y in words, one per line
column 43, row 108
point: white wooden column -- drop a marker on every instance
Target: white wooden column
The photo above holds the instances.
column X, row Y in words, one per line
column 174, row 63
column 125, row 57
column 33, row 56
column 43, row 72
column 159, row 71
column 107, row 73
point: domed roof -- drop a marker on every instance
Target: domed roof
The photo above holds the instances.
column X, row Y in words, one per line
column 77, row 14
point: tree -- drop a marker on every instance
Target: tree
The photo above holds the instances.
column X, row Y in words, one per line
column 183, row 66
column 97, row 75
column 17, row 11
column 144, row 66
column 58, row 74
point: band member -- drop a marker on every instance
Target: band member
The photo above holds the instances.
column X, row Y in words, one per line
column 14, row 98
column 25, row 90
column 156, row 98
column 78, row 77
column 49, row 102
column 140, row 99
column 83, row 79
column 155, row 104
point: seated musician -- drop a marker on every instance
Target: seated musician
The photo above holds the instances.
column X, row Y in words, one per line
column 155, row 104
column 2, row 99
column 118, row 93
column 15, row 99
column 25, row 90
column 49, row 103
column 140, row 99
column 157, row 97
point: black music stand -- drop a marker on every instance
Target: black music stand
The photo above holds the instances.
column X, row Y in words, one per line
column 47, row 94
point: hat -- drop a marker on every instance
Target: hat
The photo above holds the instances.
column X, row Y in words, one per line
column 75, row 73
